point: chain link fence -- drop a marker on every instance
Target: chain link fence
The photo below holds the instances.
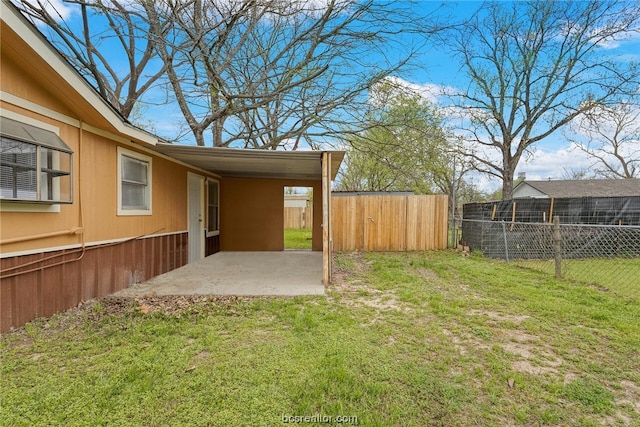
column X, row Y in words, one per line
column 605, row 256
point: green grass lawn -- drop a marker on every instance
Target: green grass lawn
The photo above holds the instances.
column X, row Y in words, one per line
column 297, row 238
column 411, row 339
column 619, row 275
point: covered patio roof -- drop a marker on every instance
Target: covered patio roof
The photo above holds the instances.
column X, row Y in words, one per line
column 270, row 164
column 246, row 163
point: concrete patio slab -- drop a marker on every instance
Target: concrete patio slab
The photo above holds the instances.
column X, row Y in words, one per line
column 287, row 273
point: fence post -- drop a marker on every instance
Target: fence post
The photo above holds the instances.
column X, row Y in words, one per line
column 506, row 246
column 557, row 246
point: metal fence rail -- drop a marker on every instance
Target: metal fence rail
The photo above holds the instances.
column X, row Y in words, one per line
column 599, row 255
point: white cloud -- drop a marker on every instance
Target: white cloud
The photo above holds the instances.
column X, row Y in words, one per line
column 433, row 93
column 616, row 42
column 540, row 165
column 486, row 183
column 546, row 164
column 289, row 144
column 56, row 8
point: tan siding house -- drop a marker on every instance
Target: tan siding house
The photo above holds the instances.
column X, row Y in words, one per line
column 88, row 207
column 90, row 204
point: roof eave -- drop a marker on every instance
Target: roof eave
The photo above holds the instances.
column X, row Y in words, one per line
column 253, row 163
column 25, row 30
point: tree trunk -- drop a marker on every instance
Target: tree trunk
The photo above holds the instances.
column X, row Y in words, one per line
column 218, row 129
column 507, row 180
column 507, row 189
column 198, row 133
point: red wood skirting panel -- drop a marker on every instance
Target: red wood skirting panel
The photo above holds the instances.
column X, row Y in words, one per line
column 212, row 245
column 62, row 279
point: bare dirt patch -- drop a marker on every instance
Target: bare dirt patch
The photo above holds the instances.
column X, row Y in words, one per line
column 629, row 395
column 355, row 289
column 533, row 356
column 427, row 274
column 383, row 301
column 460, row 345
column 355, row 274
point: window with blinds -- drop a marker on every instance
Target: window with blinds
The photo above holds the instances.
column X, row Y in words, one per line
column 35, row 165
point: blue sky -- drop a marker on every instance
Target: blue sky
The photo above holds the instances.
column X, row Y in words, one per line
column 554, row 157
column 551, row 158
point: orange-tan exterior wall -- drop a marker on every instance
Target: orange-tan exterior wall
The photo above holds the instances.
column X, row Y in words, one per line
column 252, row 213
column 43, row 275
column 95, row 203
column 94, row 206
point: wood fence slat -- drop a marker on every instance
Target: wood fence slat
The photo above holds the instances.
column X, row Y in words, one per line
column 389, row 223
column 298, row 217
column 411, row 229
column 356, row 239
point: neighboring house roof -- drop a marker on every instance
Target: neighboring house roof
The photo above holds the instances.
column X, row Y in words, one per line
column 296, row 200
column 578, row 188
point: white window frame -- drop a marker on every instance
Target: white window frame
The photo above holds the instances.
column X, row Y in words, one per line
column 40, row 205
column 149, row 190
column 214, row 232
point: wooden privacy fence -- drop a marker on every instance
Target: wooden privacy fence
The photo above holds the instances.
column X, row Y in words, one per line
column 389, row 223
column 295, row 217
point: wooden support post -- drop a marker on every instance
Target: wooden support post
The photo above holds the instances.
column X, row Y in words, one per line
column 326, row 215
column 551, row 210
column 329, row 221
column 493, row 213
column 513, row 216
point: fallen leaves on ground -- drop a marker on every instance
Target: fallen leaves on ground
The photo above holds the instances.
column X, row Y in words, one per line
column 168, row 305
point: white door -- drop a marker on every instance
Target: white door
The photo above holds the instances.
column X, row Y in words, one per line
column 196, row 217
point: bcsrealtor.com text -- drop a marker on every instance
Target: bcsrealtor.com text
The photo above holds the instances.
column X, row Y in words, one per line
column 319, row 419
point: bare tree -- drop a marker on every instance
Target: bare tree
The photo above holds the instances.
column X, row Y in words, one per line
column 611, row 136
column 254, row 73
column 578, row 174
column 535, row 66
column 271, row 73
column 108, row 29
